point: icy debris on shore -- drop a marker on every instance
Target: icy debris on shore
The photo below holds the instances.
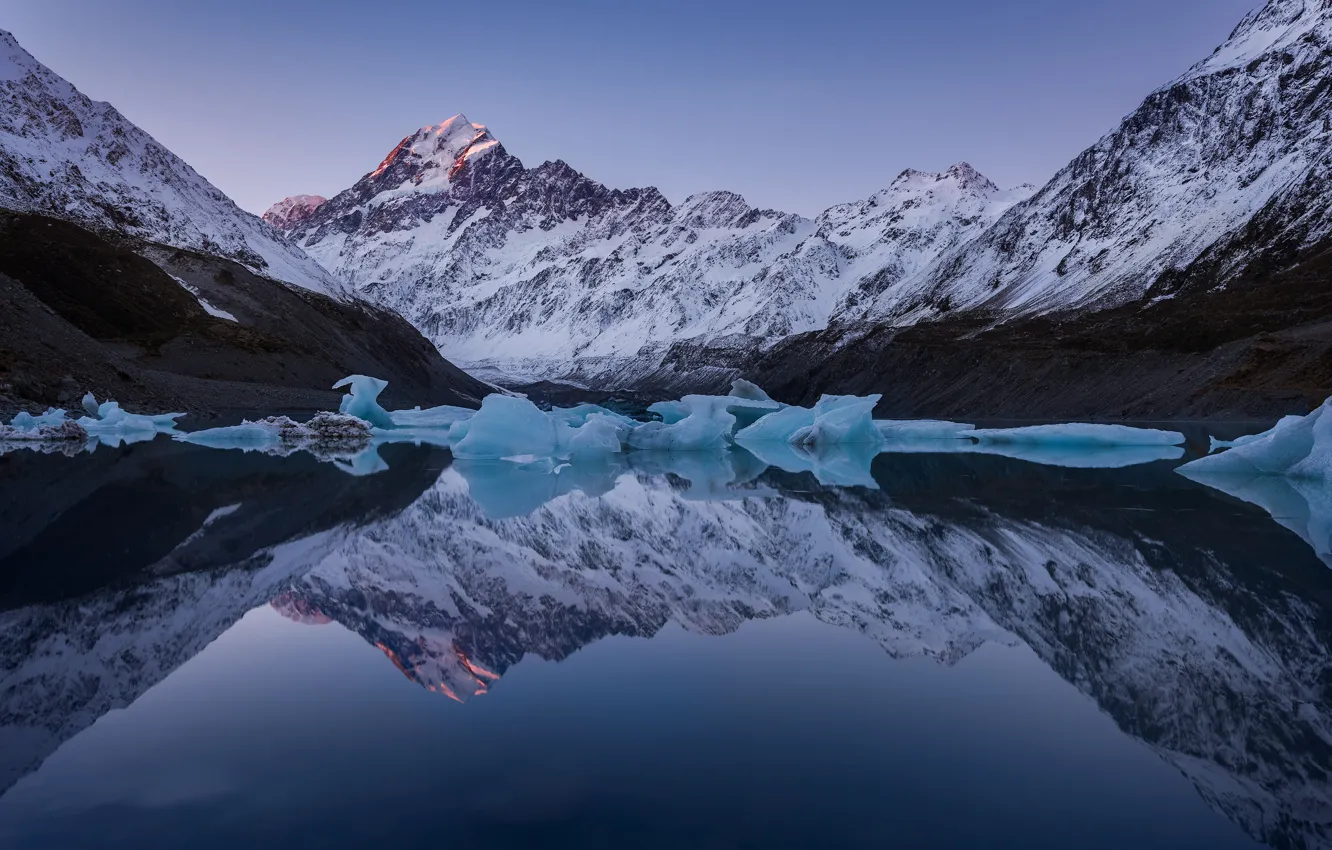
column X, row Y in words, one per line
column 63, row 430
column 1298, row 447
column 1080, row 434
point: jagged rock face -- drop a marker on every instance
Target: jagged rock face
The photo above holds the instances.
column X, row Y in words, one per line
column 1229, row 161
column 290, row 212
column 64, row 155
column 531, row 270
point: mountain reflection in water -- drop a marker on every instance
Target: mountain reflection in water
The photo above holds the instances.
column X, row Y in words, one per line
column 1190, row 617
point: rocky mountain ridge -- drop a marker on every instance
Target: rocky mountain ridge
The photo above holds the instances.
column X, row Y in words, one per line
column 545, row 274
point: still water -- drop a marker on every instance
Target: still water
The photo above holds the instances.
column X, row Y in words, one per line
column 214, row 649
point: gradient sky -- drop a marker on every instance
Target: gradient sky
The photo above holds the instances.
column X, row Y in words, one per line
column 796, row 105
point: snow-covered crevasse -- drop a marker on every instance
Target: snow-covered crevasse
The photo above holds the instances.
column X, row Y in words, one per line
column 66, row 156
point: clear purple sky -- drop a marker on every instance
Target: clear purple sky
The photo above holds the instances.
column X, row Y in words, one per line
column 796, row 105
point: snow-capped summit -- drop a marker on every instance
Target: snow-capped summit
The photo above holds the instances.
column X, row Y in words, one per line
column 289, row 212
column 1280, row 25
column 433, row 155
column 66, row 156
column 901, row 230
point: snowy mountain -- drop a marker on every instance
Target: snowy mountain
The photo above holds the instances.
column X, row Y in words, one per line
column 66, row 156
column 545, row 273
column 290, row 212
column 529, row 270
column 1221, row 167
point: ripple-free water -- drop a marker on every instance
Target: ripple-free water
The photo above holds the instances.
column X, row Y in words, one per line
column 213, row 649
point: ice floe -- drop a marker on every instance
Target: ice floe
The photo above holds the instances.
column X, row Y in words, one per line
column 1080, row 434
column 105, row 424
column 510, row 441
column 1297, row 447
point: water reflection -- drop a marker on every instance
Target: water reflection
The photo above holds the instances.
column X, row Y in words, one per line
column 1195, row 622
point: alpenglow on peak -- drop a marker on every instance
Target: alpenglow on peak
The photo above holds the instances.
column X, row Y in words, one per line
column 448, row 144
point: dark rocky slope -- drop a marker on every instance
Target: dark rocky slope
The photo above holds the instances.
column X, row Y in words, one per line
column 1257, row 348
column 78, row 313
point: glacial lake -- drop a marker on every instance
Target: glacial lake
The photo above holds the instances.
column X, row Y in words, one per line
column 216, row 649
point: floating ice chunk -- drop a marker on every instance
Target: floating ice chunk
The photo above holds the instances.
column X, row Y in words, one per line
column 598, row 434
column 741, row 388
column 576, row 416
column 777, row 427
column 506, row 426
column 89, row 403
column 669, row 411
column 747, row 411
column 111, row 424
column 458, row 430
column 841, row 420
column 25, row 421
column 247, row 436
column 363, row 400
column 1299, row 447
column 1217, row 445
column 706, row 427
column 1081, row 434
column 921, row 429
column 434, row 417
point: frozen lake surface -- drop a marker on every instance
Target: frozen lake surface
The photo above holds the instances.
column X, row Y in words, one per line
column 1003, row 648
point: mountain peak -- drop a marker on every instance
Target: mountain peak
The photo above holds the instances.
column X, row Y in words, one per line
column 289, row 212
column 1279, row 25
column 448, row 144
column 962, row 174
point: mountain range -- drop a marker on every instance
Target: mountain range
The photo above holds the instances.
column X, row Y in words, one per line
column 543, row 273
column 1174, row 267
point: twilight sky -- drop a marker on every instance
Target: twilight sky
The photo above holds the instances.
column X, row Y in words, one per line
column 796, row 105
